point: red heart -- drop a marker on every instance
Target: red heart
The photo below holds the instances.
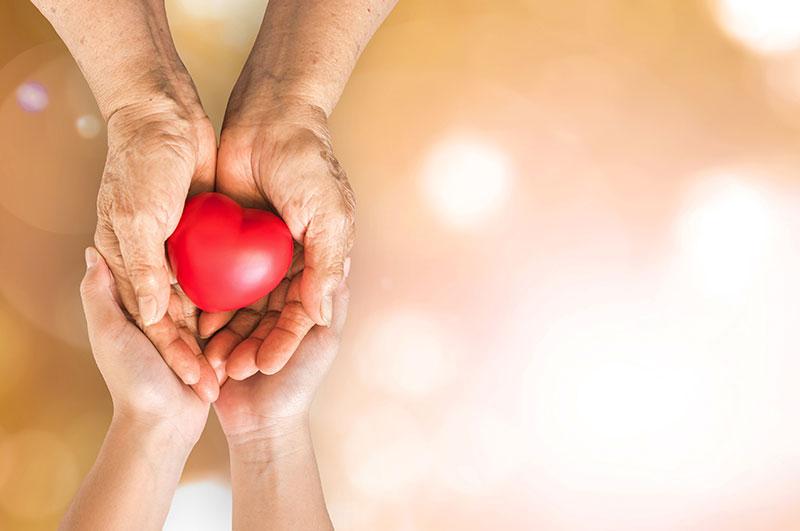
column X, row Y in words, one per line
column 227, row 257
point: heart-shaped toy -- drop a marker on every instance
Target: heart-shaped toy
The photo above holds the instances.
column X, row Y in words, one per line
column 226, row 257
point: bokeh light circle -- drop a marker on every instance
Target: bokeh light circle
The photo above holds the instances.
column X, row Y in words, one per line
column 88, row 126
column 32, row 96
column 50, row 173
column 200, row 506
column 465, row 178
column 764, row 26
column 724, row 232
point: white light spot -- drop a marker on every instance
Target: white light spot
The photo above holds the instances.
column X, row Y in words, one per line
column 764, row 26
column 724, row 234
column 206, row 9
column 88, row 126
column 200, row 506
column 464, row 179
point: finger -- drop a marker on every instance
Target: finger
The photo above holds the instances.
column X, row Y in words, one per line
column 107, row 245
column 183, row 311
column 175, row 350
column 207, row 386
column 223, row 343
column 141, row 243
column 327, row 242
column 210, row 322
column 341, row 301
column 242, row 360
column 100, row 303
column 291, row 327
column 318, row 349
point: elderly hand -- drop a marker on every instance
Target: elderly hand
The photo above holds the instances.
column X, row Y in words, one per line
column 158, row 153
column 144, row 391
column 279, row 156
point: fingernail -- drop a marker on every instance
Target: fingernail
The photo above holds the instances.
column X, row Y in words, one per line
column 148, row 309
column 327, row 309
column 90, row 255
column 347, row 267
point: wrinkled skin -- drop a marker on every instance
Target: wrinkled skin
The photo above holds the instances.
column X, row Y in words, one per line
column 281, row 158
column 157, row 155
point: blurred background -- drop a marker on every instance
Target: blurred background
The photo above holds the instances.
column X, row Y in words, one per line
column 575, row 290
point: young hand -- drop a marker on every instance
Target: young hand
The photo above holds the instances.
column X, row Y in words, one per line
column 255, row 407
column 157, row 419
column 144, row 391
column 274, row 475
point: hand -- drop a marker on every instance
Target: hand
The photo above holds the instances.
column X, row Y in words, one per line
column 268, row 406
column 274, row 475
column 144, row 391
column 280, row 157
column 158, row 153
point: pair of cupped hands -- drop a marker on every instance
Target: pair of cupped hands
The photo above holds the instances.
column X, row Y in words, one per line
column 163, row 360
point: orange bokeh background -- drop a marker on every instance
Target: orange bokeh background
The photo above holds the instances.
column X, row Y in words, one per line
column 574, row 284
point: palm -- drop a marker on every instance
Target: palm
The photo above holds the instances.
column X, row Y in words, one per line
column 265, row 400
column 137, row 377
column 156, row 157
column 254, row 173
column 161, row 397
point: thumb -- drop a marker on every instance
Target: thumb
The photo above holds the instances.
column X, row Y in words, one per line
column 142, row 250
column 98, row 295
column 326, row 245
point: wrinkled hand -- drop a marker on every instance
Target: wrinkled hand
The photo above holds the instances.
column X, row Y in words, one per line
column 142, row 388
column 281, row 158
column 157, row 155
column 258, row 406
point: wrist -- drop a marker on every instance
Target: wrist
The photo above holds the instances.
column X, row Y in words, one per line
column 144, row 66
column 274, row 117
column 158, row 438
column 163, row 119
column 156, row 106
column 271, row 441
column 259, row 94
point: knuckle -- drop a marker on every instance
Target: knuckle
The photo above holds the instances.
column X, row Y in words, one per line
column 339, row 220
column 334, row 274
column 142, row 276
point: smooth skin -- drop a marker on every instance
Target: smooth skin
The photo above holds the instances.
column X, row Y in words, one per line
column 157, row 421
column 275, row 152
column 276, row 483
